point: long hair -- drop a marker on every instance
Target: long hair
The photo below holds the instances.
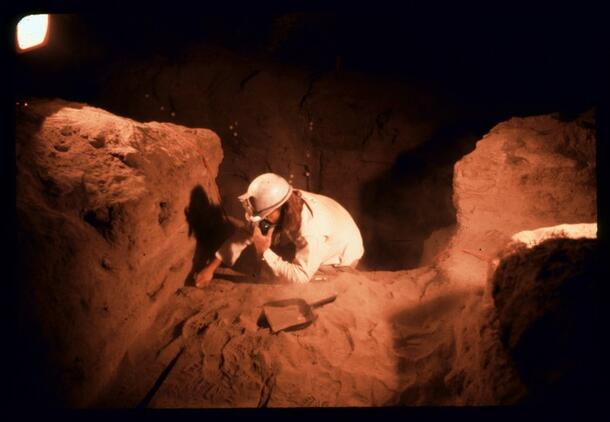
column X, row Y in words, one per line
column 291, row 214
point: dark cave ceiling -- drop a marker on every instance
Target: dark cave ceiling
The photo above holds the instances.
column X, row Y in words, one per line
column 518, row 55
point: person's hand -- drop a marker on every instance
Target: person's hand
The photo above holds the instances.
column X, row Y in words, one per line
column 262, row 242
column 204, row 277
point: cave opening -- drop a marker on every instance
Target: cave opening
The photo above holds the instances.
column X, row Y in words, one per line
column 464, row 150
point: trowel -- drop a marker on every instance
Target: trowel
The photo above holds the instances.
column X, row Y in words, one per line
column 292, row 314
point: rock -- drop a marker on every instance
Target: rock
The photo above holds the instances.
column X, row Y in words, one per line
column 106, row 263
column 545, row 300
column 126, row 154
column 528, row 186
column 66, row 131
column 98, row 141
column 62, row 147
column 531, row 238
column 526, row 173
column 123, row 203
column 531, row 337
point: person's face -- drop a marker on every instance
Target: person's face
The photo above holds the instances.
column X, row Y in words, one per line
column 275, row 215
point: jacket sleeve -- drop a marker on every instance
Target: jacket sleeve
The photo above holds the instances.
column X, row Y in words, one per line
column 306, row 262
column 232, row 248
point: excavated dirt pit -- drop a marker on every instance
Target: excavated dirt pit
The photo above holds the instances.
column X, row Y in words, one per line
column 115, row 216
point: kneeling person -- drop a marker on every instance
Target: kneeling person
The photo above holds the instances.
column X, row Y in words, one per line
column 323, row 232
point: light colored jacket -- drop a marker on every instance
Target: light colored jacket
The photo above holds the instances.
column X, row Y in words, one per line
column 328, row 236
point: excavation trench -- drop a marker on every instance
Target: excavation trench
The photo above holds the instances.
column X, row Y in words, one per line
column 115, row 216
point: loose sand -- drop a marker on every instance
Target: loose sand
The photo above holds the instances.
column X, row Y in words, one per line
column 364, row 349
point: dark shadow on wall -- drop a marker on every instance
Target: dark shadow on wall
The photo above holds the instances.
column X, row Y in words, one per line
column 405, row 204
column 33, row 378
column 33, row 371
column 210, row 227
column 424, row 344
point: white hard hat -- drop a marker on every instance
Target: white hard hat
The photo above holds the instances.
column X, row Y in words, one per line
column 265, row 194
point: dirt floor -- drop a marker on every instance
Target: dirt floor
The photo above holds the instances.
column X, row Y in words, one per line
column 379, row 339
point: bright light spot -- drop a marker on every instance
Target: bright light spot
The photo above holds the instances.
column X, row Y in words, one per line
column 32, row 31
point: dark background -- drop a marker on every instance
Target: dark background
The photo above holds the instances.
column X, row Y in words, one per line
column 515, row 56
